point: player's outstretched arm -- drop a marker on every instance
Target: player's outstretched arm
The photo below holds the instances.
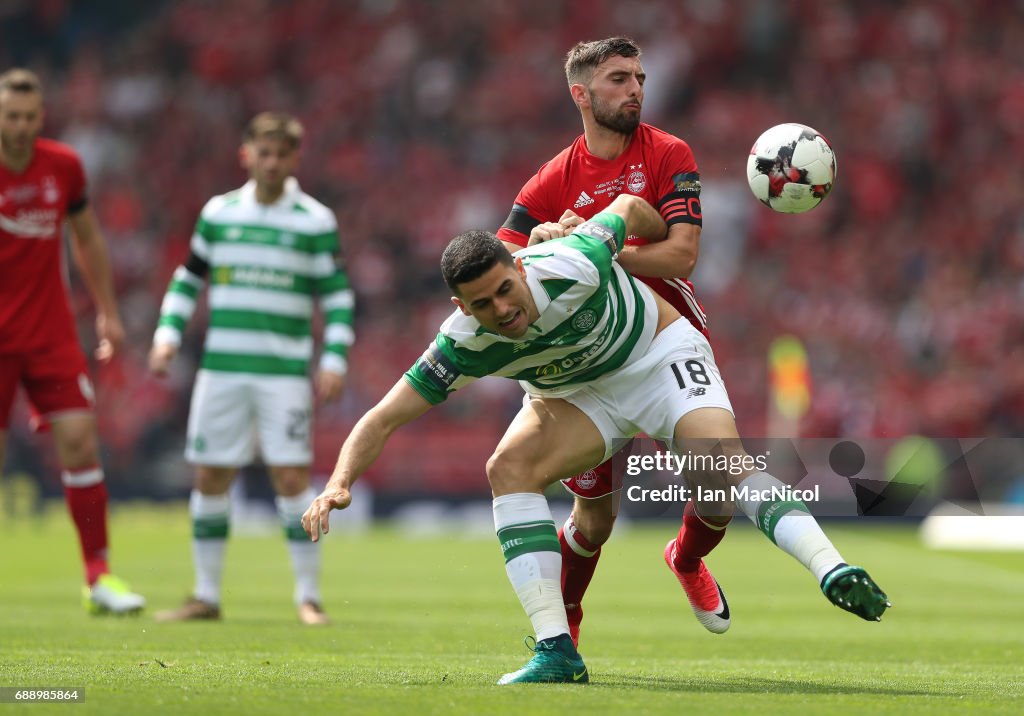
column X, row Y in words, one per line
column 401, row 405
column 90, row 252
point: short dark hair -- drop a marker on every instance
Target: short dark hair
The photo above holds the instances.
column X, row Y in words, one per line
column 277, row 125
column 584, row 57
column 470, row 255
column 19, row 79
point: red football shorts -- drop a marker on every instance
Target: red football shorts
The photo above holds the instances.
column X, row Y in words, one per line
column 55, row 379
column 604, row 479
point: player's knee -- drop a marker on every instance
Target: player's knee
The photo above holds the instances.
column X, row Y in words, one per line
column 499, row 474
column 213, row 480
column 78, row 448
column 508, row 473
column 289, row 481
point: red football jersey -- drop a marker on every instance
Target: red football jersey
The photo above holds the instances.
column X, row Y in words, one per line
column 34, row 308
column 656, row 166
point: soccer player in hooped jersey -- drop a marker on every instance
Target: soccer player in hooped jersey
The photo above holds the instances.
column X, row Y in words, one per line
column 617, row 154
column 599, row 355
column 267, row 250
column 41, row 185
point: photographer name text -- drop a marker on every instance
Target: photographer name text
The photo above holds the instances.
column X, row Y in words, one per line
column 680, row 493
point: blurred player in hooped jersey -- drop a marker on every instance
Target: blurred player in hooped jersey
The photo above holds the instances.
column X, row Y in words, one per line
column 268, row 251
column 41, row 184
column 618, row 154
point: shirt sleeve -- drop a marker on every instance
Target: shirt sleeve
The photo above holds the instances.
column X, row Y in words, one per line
column 606, row 231
column 437, row 372
column 337, row 300
column 679, row 185
column 600, row 239
column 529, row 210
column 77, row 199
column 177, row 307
column 180, row 298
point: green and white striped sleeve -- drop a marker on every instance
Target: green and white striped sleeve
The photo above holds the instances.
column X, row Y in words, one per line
column 601, row 238
column 439, row 371
column 337, row 301
column 180, row 299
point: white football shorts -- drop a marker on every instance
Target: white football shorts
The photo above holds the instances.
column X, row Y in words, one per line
column 234, row 413
column 677, row 375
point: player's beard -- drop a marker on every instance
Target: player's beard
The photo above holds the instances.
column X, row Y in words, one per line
column 17, row 147
column 617, row 121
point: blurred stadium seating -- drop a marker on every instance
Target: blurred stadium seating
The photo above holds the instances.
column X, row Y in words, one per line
column 424, row 119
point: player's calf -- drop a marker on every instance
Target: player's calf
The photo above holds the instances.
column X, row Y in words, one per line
column 579, row 560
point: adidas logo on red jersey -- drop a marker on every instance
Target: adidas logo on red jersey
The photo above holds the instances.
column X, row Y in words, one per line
column 583, row 200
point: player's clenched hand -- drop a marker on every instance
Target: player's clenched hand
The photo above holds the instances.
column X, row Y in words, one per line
column 568, row 221
column 110, row 331
column 160, row 357
column 317, row 519
column 328, row 386
column 545, row 232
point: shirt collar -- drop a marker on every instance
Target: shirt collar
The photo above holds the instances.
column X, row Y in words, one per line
column 540, row 296
column 291, row 188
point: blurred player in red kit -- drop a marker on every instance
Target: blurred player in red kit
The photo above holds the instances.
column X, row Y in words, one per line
column 41, row 184
column 618, row 154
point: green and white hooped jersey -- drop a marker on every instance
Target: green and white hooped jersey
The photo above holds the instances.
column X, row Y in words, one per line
column 594, row 318
column 265, row 264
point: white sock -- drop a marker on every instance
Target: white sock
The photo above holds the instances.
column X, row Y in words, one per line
column 789, row 524
column 305, row 553
column 533, row 559
column 210, row 522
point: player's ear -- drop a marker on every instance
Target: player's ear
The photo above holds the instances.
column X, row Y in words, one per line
column 245, row 156
column 461, row 305
column 520, row 268
column 580, row 95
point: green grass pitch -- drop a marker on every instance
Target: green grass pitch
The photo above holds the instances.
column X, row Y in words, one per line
column 427, row 624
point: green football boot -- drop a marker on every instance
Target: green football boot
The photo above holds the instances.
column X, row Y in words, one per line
column 555, row 661
column 851, row 588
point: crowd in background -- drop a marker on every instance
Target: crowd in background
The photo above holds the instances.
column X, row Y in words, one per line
column 424, row 118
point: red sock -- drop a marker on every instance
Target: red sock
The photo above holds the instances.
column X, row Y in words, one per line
column 86, row 495
column 696, row 540
column 577, row 569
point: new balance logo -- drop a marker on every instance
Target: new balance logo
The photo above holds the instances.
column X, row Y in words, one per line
column 583, row 200
column 696, row 392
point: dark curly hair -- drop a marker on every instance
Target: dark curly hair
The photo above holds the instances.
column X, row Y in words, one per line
column 470, row 255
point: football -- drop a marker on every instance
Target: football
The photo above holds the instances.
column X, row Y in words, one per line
column 791, row 168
